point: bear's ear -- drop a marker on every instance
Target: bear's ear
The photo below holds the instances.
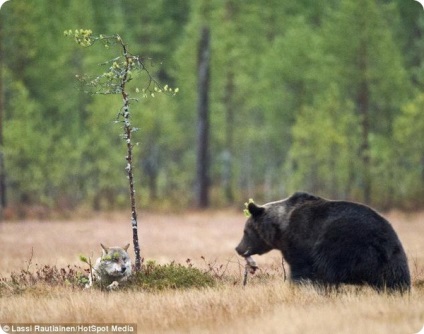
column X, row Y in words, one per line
column 255, row 210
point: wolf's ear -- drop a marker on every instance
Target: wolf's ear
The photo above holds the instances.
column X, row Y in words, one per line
column 105, row 249
column 255, row 210
column 126, row 247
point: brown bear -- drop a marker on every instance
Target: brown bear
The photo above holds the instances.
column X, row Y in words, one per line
column 328, row 243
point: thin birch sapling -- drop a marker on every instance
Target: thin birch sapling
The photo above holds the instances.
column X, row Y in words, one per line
column 119, row 72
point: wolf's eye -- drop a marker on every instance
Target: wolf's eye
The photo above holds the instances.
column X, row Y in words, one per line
column 106, row 258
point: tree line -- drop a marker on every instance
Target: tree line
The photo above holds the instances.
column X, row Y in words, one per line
column 302, row 96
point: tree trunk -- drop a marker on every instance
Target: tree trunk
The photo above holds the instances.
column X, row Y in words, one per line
column 128, row 129
column 2, row 168
column 228, row 166
column 363, row 109
column 129, row 169
column 202, row 175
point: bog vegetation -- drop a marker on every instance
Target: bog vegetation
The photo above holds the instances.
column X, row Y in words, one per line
column 152, row 277
column 41, row 284
column 179, row 298
column 326, row 99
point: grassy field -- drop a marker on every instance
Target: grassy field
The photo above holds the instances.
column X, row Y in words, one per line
column 266, row 305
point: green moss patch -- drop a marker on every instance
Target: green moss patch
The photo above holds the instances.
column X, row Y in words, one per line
column 170, row 276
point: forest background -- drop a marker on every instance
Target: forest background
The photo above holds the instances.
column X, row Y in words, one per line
column 326, row 97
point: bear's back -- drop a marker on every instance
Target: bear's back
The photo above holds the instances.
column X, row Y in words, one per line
column 313, row 218
column 344, row 242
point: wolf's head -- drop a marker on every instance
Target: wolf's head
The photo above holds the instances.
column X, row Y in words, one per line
column 115, row 262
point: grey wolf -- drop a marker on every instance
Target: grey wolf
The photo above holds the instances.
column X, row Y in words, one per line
column 328, row 243
column 113, row 267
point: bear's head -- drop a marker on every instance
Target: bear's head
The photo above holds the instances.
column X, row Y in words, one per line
column 264, row 228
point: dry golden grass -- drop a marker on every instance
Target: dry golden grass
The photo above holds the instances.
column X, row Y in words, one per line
column 265, row 305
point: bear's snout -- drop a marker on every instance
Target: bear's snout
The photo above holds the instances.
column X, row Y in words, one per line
column 238, row 250
column 242, row 251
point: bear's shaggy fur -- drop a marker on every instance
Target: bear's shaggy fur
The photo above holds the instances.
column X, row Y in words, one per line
column 328, row 242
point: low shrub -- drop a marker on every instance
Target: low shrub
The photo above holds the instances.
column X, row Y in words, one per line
column 25, row 280
column 155, row 277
